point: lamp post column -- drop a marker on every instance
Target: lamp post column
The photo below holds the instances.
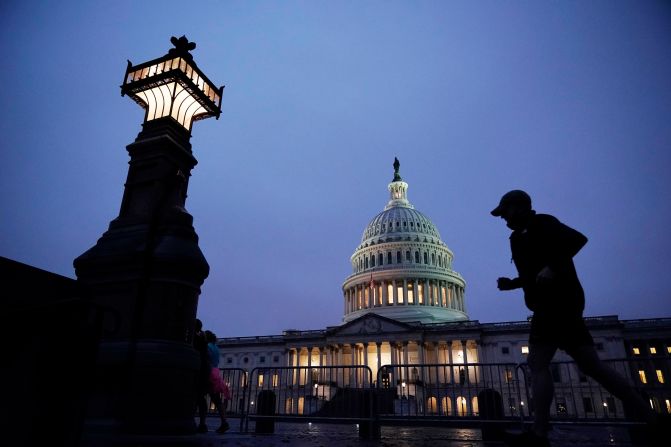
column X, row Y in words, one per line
column 146, row 270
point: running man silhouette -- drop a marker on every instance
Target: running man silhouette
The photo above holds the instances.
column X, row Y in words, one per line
column 542, row 250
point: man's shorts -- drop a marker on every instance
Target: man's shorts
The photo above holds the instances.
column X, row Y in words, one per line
column 563, row 331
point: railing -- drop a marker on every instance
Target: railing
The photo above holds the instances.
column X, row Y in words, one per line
column 478, row 395
column 341, row 394
column 451, row 392
column 580, row 399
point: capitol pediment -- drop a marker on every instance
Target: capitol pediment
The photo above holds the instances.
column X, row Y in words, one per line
column 371, row 323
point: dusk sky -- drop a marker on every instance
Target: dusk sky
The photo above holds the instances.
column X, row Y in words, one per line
column 568, row 100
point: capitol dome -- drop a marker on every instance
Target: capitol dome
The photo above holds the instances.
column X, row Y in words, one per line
column 402, row 269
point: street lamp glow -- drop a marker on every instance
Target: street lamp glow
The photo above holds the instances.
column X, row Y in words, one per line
column 173, row 86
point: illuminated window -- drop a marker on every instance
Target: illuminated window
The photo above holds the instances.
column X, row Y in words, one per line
column 260, row 380
column 509, row 376
column 399, row 291
column 668, row 349
column 411, row 293
column 420, row 293
column 276, row 380
column 641, row 375
column 653, row 350
column 525, row 349
column 636, row 351
column 432, row 405
column 474, row 406
column 446, row 405
column 668, row 406
column 462, row 406
column 443, row 292
column 660, row 376
column 390, row 293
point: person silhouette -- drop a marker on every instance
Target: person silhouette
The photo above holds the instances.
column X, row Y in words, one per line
column 217, row 387
column 208, row 380
column 542, row 251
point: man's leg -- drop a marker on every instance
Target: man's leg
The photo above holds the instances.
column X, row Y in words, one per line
column 542, row 385
column 589, row 362
column 216, row 398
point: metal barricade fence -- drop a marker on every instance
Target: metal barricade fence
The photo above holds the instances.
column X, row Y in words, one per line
column 459, row 393
column 578, row 398
column 342, row 394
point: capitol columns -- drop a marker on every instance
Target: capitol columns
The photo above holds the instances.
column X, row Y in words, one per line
column 378, row 346
column 146, row 270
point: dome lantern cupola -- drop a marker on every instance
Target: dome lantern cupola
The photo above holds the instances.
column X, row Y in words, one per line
column 398, row 190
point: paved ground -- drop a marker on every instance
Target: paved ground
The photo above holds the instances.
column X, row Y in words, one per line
column 327, row 435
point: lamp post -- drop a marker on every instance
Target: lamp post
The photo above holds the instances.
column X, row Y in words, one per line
column 146, row 270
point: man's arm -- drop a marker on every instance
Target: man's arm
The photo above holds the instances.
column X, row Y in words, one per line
column 508, row 283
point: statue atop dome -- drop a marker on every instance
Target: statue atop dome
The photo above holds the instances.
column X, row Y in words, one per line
column 397, row 176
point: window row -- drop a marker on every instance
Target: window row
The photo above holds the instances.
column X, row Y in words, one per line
column 373, row 260
column 399, row 226
column 653, row 350
column 388, row 293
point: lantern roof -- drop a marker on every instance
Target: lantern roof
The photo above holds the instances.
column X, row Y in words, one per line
column 174, row 86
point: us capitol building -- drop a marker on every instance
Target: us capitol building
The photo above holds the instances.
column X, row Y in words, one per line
column 405, row 305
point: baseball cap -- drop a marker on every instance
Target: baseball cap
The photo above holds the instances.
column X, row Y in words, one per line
column 514, row 197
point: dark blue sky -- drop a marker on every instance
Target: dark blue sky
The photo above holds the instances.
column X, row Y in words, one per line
column 568, row 100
